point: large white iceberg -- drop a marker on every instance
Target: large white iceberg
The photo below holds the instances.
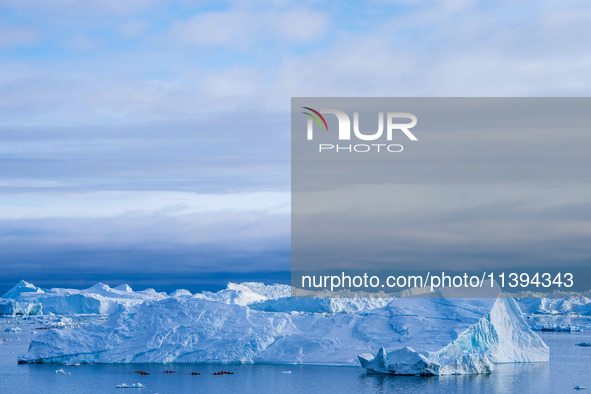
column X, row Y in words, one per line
column 98, row 299
column 255, row 323
column 558, row 311
column 246, row 293
column 561, row 304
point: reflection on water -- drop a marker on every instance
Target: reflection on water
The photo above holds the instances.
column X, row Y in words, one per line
column 507, row 378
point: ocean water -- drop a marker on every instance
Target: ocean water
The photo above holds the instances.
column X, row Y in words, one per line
column 569, row 366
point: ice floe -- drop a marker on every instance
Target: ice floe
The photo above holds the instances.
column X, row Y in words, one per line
column 127, row 386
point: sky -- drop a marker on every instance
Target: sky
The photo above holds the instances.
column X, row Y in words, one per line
column 148, row 142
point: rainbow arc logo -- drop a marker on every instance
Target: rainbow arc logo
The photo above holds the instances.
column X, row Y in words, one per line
column 315, row 118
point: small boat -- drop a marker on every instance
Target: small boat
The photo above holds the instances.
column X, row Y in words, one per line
column 223, row 373
column 169, row 371
column 195, row 373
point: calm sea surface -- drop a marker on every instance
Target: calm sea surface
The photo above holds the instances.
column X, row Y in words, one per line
column 569, row 366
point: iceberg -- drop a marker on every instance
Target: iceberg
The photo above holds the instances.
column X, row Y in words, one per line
column 407, row 361
column 14, row 308
column 25, row 298
column 21, row 288
column 133, row 386
column 568, row 303
column 247, row 293
column 557, row 328
column 558, row 312
column 257, row 323
column 180, row 293
column 501, row 336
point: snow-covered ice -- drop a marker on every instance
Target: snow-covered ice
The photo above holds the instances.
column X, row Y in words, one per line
column 256, row 323
column 21, row 288
column 558, row 311
column 564, row 303
column 98, row 299
column 127, row 386
column 13, row 308
column 501, row 336
column 557, row 328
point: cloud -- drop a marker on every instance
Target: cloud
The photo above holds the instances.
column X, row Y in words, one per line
column 134, row 28
column 242, row 57
column 17, row 36
column 131, row 204
column 87, row 8
column 156, row 125
column 239, row 28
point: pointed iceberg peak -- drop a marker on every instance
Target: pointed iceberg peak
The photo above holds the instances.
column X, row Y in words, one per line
column 181, row 293
column 501, row 336
column 99, row 288
column 20, row 288
column 124, row 287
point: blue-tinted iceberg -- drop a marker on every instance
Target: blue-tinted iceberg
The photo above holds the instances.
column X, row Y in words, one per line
column 499, row 337
column 25, row 298
column 255, row 323
column 13, row 308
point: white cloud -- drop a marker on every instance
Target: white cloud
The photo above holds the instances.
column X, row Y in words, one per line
column 238, row 28
column 88, row 7
column 272, row 51
column 134, row 28
column 245, row 221
column 138, row 203
column 16, row 36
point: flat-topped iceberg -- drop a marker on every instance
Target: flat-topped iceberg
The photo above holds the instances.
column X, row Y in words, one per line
column 564, row 303
column 27, row 299
column 255, row 323
column 561, row 312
